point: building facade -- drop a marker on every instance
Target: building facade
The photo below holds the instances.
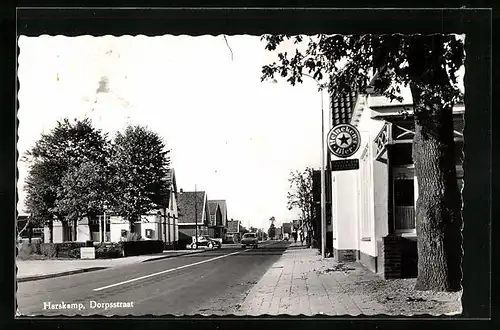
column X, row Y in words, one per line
column 217, row 213
column 159, row 224
column 373, row 207
column 233, row 231
column 193, row 215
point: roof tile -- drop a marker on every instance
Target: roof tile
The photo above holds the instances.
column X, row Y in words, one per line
column 187, row 202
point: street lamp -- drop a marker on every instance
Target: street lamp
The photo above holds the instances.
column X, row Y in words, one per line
column 323, row 169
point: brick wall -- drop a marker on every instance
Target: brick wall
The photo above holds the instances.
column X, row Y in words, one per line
column 344, row 255
column 397, row 257
column 391, row 255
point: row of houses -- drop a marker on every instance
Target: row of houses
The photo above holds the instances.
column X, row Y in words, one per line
column 370, row 211
column 200, row 216
column 183, row 215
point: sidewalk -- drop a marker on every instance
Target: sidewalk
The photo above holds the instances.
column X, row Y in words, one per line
column 301, row 283
column 30, row 270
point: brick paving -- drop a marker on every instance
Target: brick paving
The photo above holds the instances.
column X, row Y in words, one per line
column 302, row 283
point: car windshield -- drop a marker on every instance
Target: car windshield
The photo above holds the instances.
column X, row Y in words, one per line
column 249, row 236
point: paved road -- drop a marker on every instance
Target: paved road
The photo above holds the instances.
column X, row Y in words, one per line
column 213, row 282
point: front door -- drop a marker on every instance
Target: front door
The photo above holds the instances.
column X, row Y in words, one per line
column 404, row 200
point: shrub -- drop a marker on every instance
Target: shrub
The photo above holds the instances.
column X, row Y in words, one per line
column 61, row 250
column 27, row 248
column 74, row 253
column 131, row 237
column 48, row 250
column 29, row 251
column 36, row 246
column 109, row 250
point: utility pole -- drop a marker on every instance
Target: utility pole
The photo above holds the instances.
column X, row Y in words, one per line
column 323, row 182
column 165, row 225
column 196, row 216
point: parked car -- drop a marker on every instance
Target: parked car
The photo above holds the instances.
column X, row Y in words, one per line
column 249, row 239
column 206, row 241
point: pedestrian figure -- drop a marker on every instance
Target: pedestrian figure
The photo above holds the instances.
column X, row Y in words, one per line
column 301, row 237
column 295, row 236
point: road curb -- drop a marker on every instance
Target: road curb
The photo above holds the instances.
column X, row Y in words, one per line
column 71, row 272
column 176, row 255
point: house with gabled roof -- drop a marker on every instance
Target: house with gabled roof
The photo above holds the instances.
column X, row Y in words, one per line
column 223, row 208
column 193, row 215
column 160, row 223
column 373, row 207
column 215, row 227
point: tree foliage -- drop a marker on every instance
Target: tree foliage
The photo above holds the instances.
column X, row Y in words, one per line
column 41, row 191
column 429, row 65
column 53, row 157
column 140, row 163
column 71, row 144
column 301, row 195
column 347, row 63
column 271, row 232
column 83, row 192
column 77, row 172
column 243, row 230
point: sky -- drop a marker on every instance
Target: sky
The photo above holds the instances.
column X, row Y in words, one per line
column 231, row 135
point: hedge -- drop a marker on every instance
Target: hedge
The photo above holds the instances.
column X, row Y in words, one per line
column 108, row 250
column 30, row 248
column 135, row 248
column 102, row 250
column 61, row 250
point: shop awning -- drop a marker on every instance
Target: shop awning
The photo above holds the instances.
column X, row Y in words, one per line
column 400, row 128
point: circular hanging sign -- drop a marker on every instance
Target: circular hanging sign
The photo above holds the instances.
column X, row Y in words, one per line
column 343, row 140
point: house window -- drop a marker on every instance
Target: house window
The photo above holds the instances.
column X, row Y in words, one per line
column 212, row 220
column 405, row 191
column 365, row 196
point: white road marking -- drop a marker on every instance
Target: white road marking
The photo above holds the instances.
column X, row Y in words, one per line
column 168, row 270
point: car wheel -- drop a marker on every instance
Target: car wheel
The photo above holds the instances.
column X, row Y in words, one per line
column 210, row 245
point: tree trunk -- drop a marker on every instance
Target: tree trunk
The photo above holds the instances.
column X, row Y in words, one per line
column 51, row 231
column 132, row 225
column 75, row 230
column 438, row 207
column 90, row 230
